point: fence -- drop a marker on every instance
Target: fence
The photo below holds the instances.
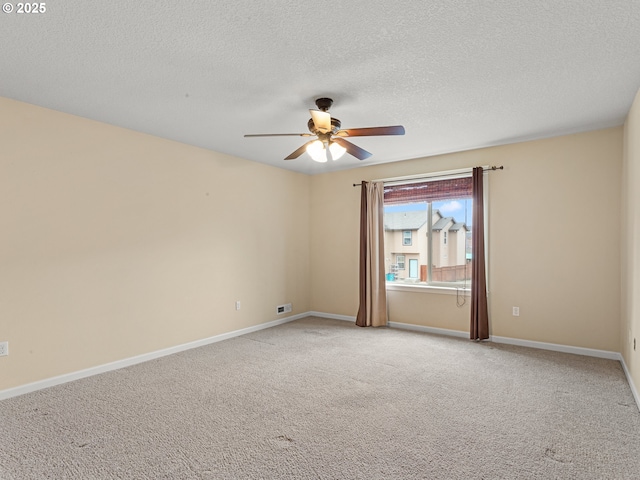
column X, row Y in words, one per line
column 455, row 273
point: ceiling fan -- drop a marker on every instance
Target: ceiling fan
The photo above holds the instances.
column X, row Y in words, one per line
column 330, row 143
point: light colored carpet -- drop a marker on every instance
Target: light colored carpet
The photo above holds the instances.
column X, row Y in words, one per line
column 324, row 399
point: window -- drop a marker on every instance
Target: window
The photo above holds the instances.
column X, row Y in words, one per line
column 435, row 218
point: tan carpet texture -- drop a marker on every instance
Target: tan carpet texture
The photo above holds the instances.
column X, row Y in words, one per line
column 324, row 399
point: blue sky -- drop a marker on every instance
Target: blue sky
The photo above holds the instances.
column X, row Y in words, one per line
column 448, row 208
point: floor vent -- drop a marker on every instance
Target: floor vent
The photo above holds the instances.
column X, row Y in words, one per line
column 280, row 309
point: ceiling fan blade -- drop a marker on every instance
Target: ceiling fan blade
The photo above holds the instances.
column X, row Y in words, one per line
column 322, row 120
column 371, row 131
column 352, row 149
column 299, row 151
column 280, row 135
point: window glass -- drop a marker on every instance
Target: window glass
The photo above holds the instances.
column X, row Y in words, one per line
column 431, row 232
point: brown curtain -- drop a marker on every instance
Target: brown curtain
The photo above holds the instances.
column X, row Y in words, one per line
column 479, row 312
column 372, row 311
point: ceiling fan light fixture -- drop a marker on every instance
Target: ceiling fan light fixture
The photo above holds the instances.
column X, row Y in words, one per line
column 336, row 150
column 316, row 151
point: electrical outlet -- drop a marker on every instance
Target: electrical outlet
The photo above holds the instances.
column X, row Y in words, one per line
column 238, row 305
column 516, row 311
column 4, row 349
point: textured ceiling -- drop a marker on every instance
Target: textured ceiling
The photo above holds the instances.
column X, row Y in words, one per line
column 457, row 74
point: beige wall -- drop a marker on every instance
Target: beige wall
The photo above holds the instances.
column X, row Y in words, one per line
column 116, row 243
column 568, row 293
column 630, row 324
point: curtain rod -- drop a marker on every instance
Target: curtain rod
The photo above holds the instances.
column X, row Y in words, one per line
column 487, row 169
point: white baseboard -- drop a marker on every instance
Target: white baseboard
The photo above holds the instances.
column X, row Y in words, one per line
column 332, row 316
column 588, row 352
column 69, row 377
column 50, row 382
column 634, row 391
column 434, row 330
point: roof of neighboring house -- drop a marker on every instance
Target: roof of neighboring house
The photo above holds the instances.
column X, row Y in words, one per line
column 443, row 222
column 404, row 220
column 413, row 220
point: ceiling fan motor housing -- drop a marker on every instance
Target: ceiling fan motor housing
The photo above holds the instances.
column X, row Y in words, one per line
column 335, row 126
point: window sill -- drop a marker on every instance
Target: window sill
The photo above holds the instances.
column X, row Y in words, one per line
column 418, row 288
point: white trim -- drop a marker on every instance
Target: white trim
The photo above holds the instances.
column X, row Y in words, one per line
column 107, row 367
column 433, row 330
column 587, row 352
column 332, row 316
column 634, row 391
column 421, row 288
column 50, row 382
